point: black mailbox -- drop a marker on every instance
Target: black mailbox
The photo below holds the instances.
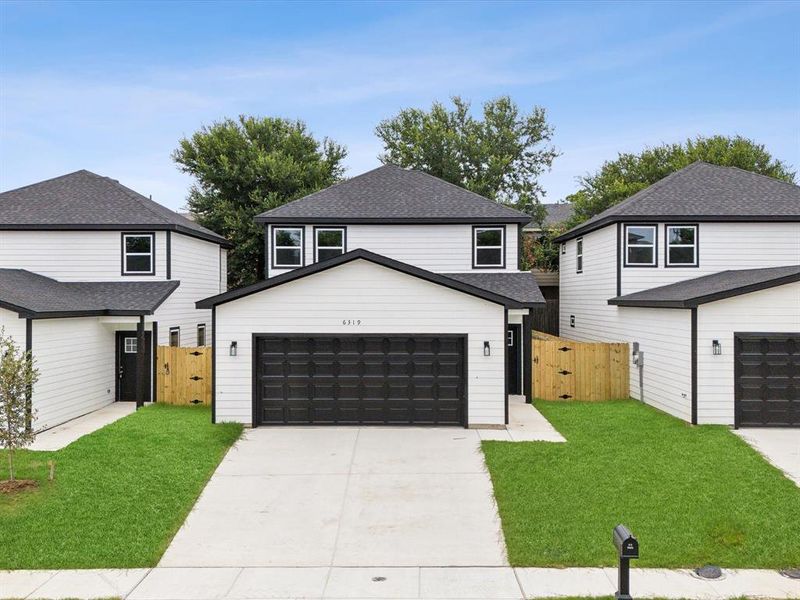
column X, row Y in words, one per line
column 627, row 548
column 627, row 545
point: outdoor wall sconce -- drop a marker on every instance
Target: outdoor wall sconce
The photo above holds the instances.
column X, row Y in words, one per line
column 487, row 351
column 716, row 347
column 233, row 349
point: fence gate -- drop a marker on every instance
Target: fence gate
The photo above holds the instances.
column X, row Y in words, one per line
column 184, row 375
column 568, row 370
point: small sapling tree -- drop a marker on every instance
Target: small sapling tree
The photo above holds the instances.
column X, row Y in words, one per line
column 17, row 376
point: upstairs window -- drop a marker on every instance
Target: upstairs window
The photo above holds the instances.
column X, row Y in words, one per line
column 138, row 254
column 329, row 242
column 681, row 245
column 640, row 246
column 287, row 247
column 488, row 247
column 579, row 255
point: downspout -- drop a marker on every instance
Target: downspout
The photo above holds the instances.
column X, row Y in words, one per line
column 29, row 389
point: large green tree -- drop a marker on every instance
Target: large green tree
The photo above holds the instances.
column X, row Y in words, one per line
column 246, row 166
column 619, row 179
column 500, row 156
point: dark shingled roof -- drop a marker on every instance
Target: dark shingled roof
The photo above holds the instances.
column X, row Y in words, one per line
column 704, row 192
column 393, row 194
column 708, row 288
column 556, row 214
column 85, row 200
column 521, row 287
column 33, row 295
column 499, row 296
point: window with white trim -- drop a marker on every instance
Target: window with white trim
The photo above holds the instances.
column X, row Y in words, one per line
column 579, row 255
column 287, row 247
column 201, row 334
column 175, row 336
column 137, row 254
column 681, row 245
column 329, row 242
column 130, row 345
column 640, row 246
column 488, row 247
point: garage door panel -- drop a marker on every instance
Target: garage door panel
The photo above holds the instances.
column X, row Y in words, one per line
column 391, row 379
column 767, row 379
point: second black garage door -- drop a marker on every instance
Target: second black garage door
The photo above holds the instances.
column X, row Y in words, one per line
column 767, row 379
column 359, row 380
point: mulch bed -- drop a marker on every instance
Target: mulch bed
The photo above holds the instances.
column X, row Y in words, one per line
column 18, row 485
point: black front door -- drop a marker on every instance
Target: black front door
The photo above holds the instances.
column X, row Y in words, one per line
column 126, row 366
column 514, row 362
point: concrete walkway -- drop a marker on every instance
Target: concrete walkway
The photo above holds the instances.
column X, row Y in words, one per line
column 781, row 447
column 63, row 435
column 479, row 583
column 526, row 424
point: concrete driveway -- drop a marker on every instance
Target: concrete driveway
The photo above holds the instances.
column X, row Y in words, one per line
column 339, row 496
column 781, row 447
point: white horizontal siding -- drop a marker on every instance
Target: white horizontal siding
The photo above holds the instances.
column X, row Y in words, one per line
column 13, row 327
column 722, row 246
column 197, row 265
column 437, row 248
column 775, row 310
column 385, row 301
column 74, row 255
column 663, row 335
column 75, row 358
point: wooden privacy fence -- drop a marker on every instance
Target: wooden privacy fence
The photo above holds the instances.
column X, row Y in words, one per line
column 568, row 370
column 184, row 375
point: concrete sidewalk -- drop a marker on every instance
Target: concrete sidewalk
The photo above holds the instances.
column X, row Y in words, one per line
column 354, row 583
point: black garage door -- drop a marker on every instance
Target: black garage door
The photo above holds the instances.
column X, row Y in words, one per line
column 767, row 379
column 360, row 380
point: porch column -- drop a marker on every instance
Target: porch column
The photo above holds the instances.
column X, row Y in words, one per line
column 141, row 362
column 527, row 357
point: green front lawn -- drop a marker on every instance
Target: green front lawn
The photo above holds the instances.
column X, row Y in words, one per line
column 692, row 495
column 119, row 495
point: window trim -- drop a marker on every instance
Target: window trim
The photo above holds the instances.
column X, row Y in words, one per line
column 273, row 248
column 667, row 246
column 169, row 338
column 201, row 326
column 625, row 262
column 126, row 234
column 343, row 229
column 579, row 255
column 502, row 229
column 125, row 346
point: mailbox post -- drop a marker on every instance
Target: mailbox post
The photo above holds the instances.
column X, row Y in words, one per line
column 627, row 548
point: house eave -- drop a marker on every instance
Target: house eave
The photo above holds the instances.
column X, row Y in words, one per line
column 391, row 221
column 117, row 227
column 378, row 259
column 697, row 301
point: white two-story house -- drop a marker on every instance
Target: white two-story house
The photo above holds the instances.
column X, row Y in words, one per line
column 700, row 272
column 92, row 277
column 391, row 298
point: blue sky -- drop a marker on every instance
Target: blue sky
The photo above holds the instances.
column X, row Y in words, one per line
column 112, row 87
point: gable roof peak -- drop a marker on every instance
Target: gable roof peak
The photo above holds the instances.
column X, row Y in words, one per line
column 84, row 200
column 703, row 191
column 393, row 194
